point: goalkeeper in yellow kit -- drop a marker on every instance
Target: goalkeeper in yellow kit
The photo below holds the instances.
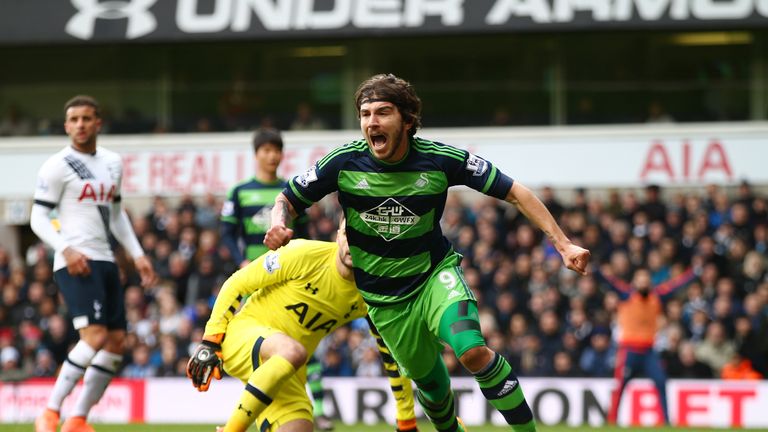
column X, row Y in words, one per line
column 300, row 293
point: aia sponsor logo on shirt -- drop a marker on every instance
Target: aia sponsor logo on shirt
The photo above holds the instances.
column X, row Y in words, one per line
column 97, row 192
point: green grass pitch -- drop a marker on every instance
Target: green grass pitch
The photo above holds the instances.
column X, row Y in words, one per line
column 423, row 427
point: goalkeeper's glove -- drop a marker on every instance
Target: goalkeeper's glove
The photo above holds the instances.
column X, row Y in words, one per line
column 407, row 425
column 206, row 362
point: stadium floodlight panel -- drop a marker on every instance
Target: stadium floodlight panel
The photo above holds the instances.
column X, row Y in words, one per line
column 320, row 51
column 712, row 38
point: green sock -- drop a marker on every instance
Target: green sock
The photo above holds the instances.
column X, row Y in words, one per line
column 502, row 389
column 314, row 379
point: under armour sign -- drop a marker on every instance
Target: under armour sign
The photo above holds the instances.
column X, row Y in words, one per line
column 140, row 20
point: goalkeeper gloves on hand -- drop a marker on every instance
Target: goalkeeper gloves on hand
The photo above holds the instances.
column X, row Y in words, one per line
column 206, row 363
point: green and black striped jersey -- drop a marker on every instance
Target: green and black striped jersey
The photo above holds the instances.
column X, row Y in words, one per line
column 245, row 216
column 393, row 211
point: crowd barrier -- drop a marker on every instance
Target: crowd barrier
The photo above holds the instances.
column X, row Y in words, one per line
column 573, row 401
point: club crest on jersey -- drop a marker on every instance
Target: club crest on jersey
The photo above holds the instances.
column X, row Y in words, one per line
column 477, row 165
column 423, row 181
column 390, row 219
column 271, row 263
column 308, row 177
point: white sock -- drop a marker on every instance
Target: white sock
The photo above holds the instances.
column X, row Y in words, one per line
column 97, row 377
column 71, row 371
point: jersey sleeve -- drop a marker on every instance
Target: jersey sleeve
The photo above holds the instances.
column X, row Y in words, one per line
column 230, row 209
column 230, row 217
column 269, row 269
column 318, row 181
column 479, row 174
column 50, row 184
column 120, row 224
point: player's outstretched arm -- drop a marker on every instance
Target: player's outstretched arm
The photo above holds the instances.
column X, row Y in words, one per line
column 279, row 234
column 575, row 258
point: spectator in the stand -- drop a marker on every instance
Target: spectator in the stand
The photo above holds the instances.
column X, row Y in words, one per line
column 140, row 367
column 739, row 367
column 549, row 200
column 716, row 350
column 653, row 206
column 45, row 365
column 10, row 365
column 207, row 215
column 657, row 113
column 203, row 281
column 750, row 343
column 305, row 118
column 686, row 365
column 564, row 367
column 237, row 105
column 168, row 357
column 370, row 364
column 550, row 339
column 753, row 271
column 15, row 123
column 599, row 356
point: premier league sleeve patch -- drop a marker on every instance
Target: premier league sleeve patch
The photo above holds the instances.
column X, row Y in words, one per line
column 477, row 165
column 308, row 177
column 228, row 209
column 271, row 263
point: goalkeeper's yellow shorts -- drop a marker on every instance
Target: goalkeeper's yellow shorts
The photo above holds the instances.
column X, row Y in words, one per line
column 241, row 357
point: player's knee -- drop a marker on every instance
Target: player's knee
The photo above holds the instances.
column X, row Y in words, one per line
column 475, row 359
column 95, row 336
column 286, row 347
column 115, row 343
column 295, row 353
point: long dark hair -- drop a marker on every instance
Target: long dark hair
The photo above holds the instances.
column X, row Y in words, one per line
column 399, row 92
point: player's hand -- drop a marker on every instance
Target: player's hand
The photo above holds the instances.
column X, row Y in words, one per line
column 576, row 258
column 244, row 263
column 206, row 363
column 278, row 235
column 77, row 263
column 146, row 271
column 407, row 425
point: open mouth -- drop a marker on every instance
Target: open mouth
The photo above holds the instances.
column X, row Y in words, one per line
column 378, row 141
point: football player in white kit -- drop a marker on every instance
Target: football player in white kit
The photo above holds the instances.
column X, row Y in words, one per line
column 83, row 183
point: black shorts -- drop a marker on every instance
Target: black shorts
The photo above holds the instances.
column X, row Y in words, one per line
column 94, row 299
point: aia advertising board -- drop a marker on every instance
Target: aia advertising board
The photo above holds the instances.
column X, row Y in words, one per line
column 610, row 156
column 576, row 402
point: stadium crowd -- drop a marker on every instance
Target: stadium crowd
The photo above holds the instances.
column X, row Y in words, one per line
column 546, row 320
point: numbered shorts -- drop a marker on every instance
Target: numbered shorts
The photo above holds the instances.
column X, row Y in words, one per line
column 94, row 299
column 240, row 349
column 412, row 329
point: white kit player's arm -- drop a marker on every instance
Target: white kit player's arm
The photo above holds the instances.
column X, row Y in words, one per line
column 123, row 231
column 121, row 227
column 48, row 190
column 119, row 223
column 40, row 222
